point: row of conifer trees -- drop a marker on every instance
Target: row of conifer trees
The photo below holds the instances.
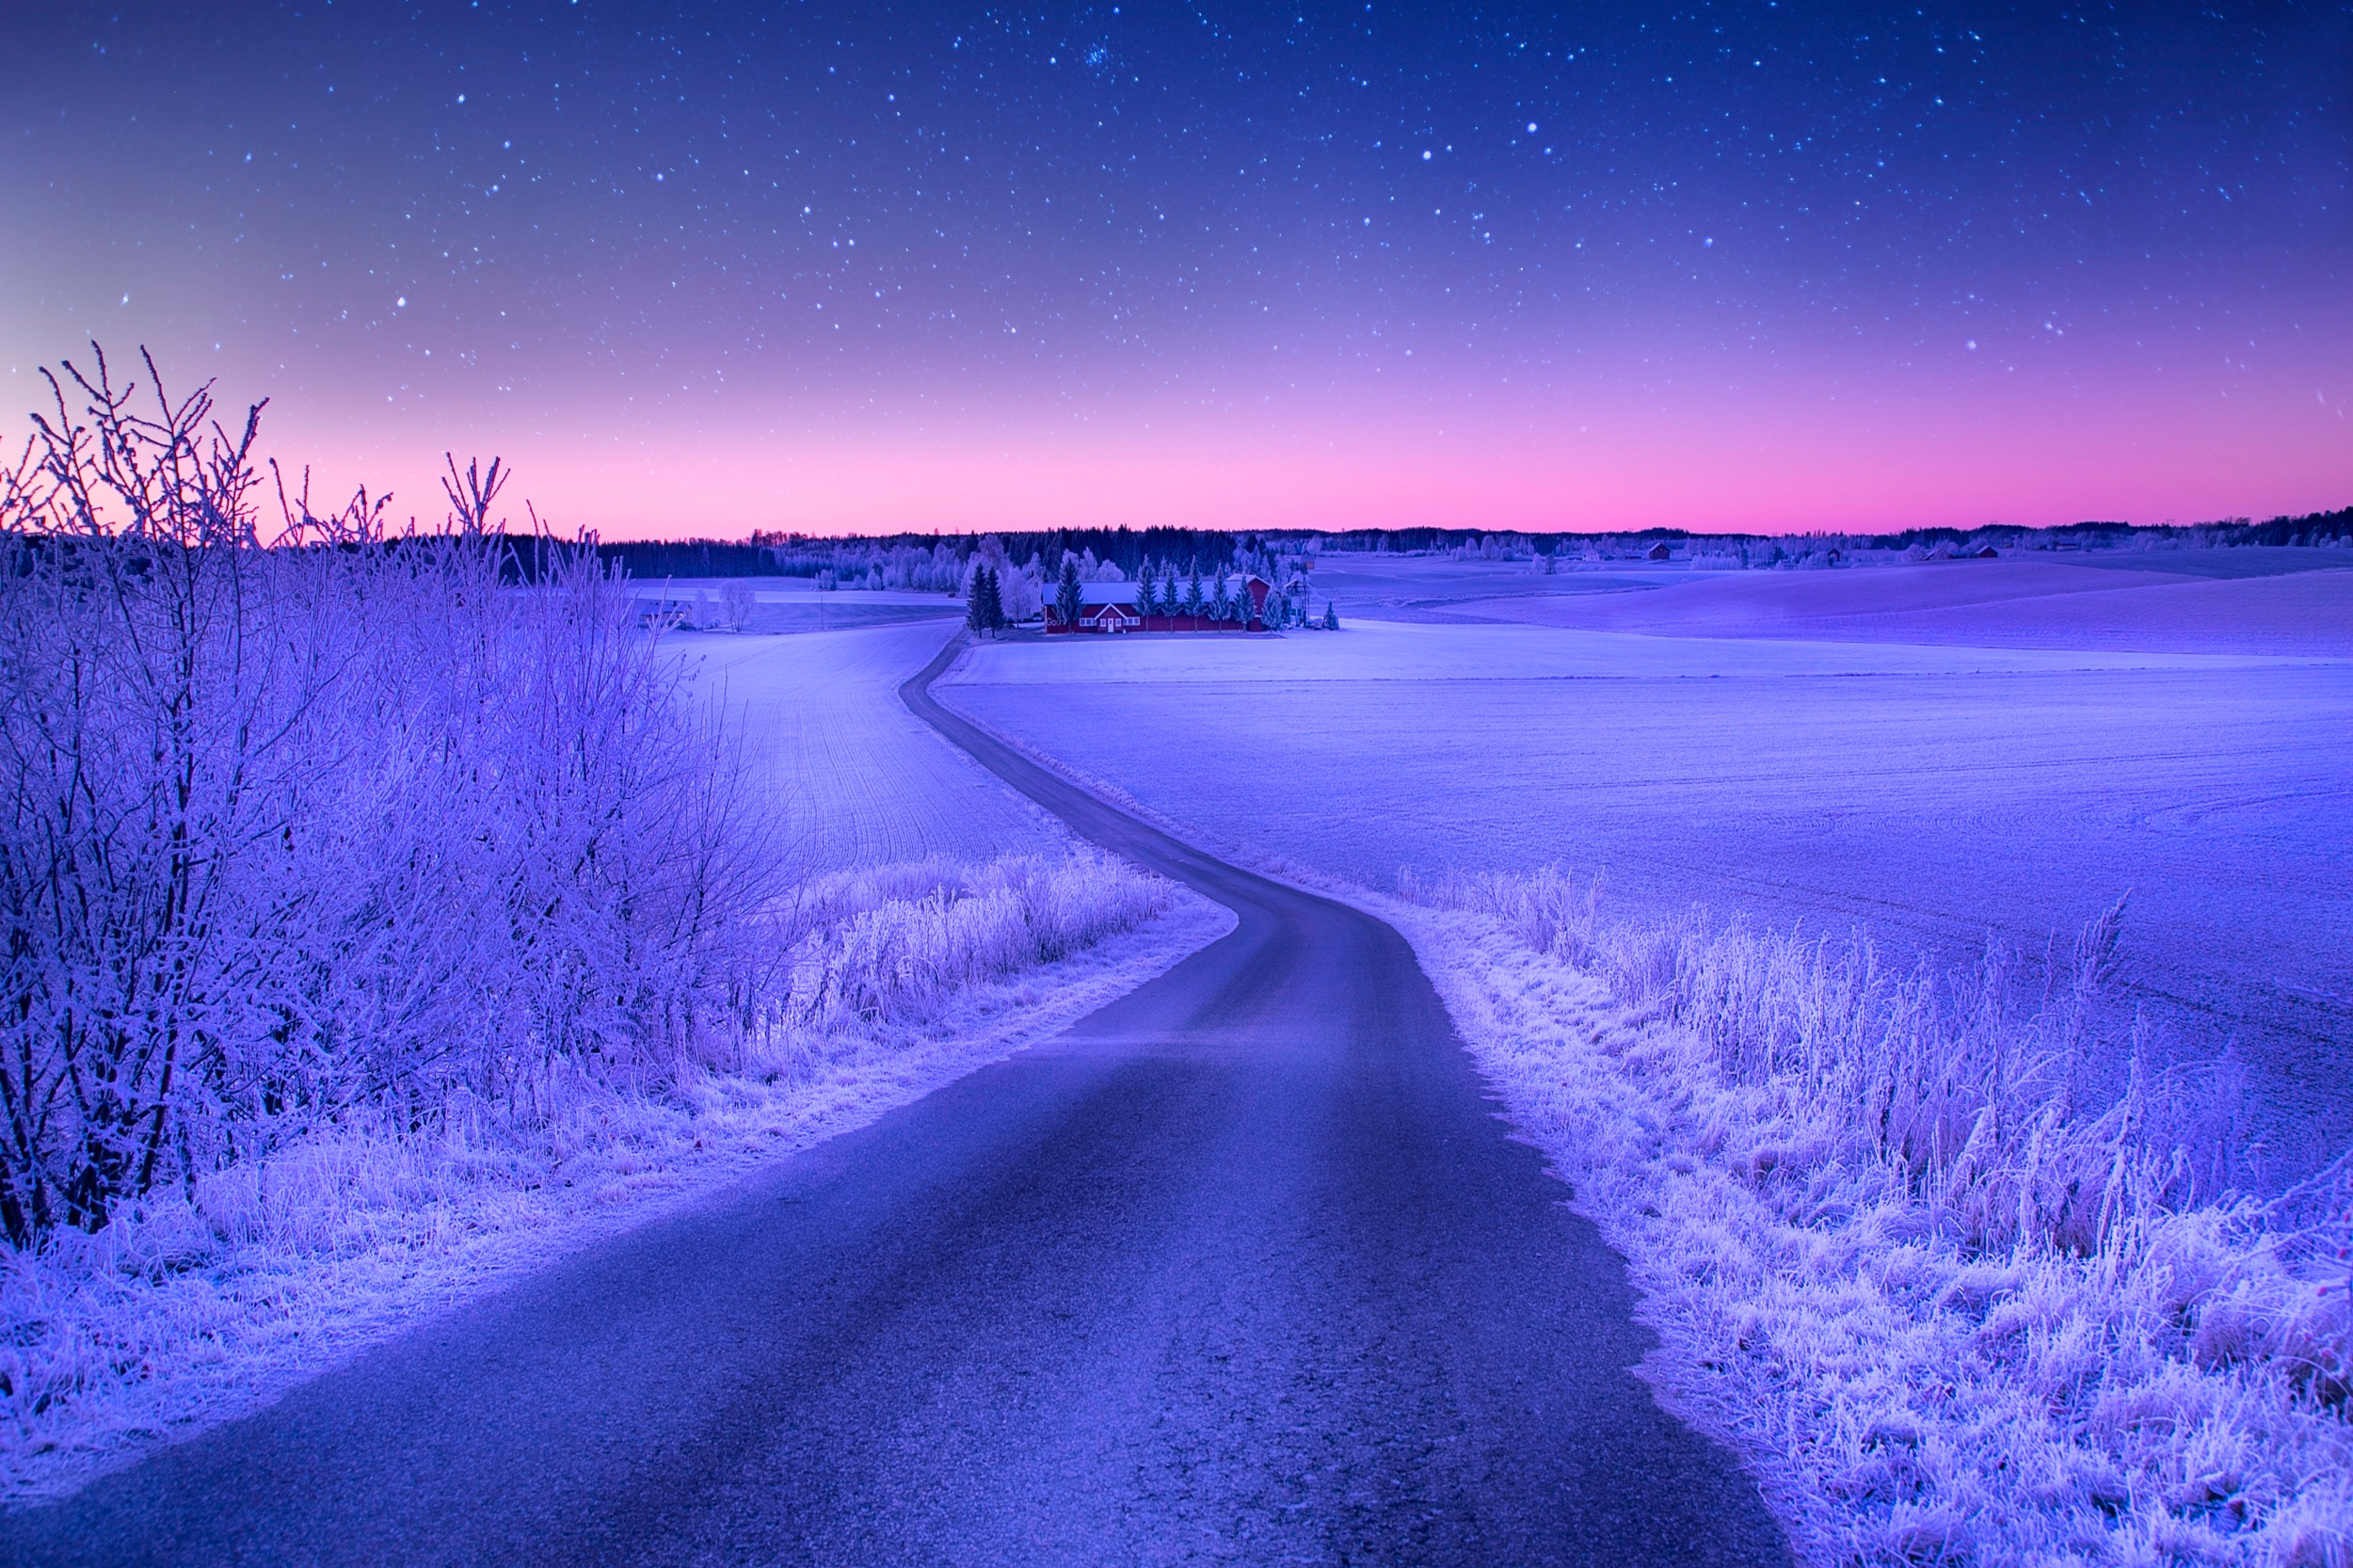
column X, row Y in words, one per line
column 1213, row 599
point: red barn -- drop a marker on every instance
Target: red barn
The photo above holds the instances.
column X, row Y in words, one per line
column 1112, row 607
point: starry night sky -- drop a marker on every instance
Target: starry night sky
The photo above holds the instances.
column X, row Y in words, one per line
column 700, row 268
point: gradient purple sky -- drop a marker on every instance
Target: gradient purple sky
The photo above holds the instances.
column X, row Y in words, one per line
column 701, row 269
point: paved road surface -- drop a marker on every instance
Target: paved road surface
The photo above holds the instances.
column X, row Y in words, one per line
column 1241, row 1270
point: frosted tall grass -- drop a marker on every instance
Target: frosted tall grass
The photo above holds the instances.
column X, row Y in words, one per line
column 897, row 945
column 1952, row 1305
column 109, row 1334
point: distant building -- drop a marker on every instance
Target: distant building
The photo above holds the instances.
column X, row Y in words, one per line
column 1110, row 607
column 1105, row 607
column 1658, row 553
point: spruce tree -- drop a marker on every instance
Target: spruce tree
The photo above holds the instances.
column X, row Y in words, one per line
column 1192, row 595
column 1068, row 598
column 1331, row 615
column 992, row 602
column 985, row 611
column 1221, row 603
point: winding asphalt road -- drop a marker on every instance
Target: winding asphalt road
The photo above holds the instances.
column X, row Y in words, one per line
column 1242, row 1269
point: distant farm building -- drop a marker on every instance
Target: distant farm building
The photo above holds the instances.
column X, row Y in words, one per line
column 1118, row 607
column 1658, row 552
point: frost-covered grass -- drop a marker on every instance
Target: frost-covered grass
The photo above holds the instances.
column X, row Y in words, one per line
column 1947, row 1311
column 1951, row 1298
column 193, row 1304
column 899, row 945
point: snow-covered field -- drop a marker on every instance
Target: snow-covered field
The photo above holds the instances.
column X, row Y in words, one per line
column 1612, row 594
column 775, row 604
column 1933, row 792
column 2035, row 601
column 1953, row 1298
column 855, row 779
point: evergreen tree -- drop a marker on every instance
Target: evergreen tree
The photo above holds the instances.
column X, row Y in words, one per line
column 1221, row 603
column 1192, row 593
column 1068, row 598
column 975, row 615
column 1331, row 615
column 985, row 611
column 994, row 603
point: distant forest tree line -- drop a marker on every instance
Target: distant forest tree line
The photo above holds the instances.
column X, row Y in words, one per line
column 943, row 563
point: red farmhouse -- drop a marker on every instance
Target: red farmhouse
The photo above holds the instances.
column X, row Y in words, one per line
column 1113, row 607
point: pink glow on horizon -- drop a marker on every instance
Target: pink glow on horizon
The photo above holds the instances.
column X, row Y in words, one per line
column 1822, row 467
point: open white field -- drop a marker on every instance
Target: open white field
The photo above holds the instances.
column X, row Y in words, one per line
column 798, row 604
column 2030, row 602
column 1932, row 792
column 1413, row 588
column 855, row 779
column 2185, row 600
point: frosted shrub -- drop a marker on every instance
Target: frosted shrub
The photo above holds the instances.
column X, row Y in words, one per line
column 1952, row 1305
column 346, row 824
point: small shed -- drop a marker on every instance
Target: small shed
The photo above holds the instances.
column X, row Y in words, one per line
column 1658, row 553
